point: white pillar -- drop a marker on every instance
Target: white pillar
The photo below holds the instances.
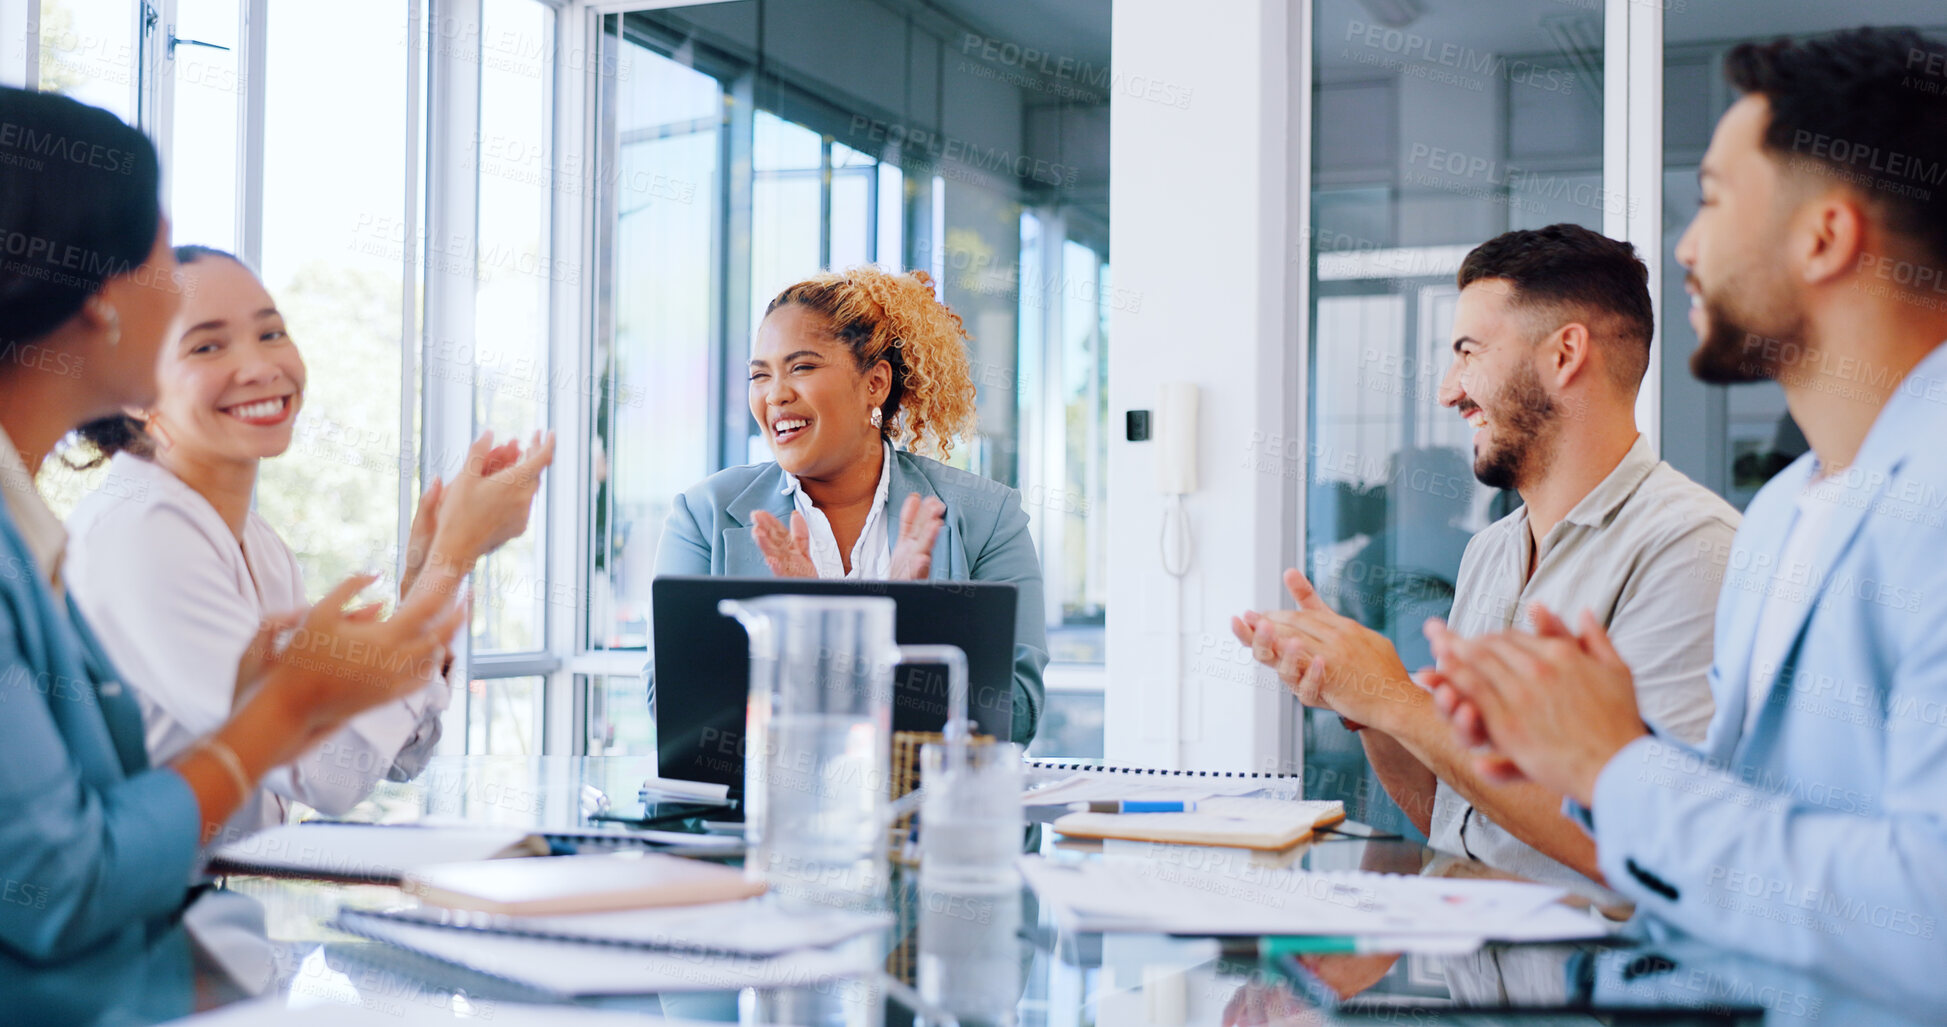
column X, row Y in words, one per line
column 1203, row 244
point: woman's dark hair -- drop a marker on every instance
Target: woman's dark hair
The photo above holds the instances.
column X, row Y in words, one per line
column 120, row 433
column 79, row 204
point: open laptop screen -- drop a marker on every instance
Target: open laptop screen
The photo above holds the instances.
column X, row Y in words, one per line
column 700, row 677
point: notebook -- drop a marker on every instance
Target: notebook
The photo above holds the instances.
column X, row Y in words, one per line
column 1244, row 823
column 578, row 884
column 1058, row 782
column 570, row 970
column 753, row 927
column 383, row 853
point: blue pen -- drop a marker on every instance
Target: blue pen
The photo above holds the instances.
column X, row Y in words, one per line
column 1135, row 806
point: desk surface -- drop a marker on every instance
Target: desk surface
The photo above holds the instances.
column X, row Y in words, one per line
column 1052, row 977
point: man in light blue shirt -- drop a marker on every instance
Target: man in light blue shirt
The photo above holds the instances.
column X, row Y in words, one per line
column 1810, row 828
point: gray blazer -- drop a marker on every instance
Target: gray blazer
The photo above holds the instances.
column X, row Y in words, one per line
column 985, row 539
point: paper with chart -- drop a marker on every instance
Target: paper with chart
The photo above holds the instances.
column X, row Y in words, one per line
column 1186, row 892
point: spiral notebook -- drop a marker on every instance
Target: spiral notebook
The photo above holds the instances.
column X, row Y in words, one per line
column 385, row 853
column 623, row 958
column 1059, row 782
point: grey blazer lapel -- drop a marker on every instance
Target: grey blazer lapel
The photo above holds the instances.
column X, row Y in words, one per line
column 741, row 557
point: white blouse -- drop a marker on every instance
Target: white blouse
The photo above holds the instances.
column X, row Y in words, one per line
column 871, row 554
column 175, row 599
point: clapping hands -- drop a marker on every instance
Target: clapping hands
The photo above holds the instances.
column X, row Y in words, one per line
column 788, row 551
column 481, row 508
column 1553, row 706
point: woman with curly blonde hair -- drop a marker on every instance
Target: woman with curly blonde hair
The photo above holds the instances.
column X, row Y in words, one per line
column 845, row 365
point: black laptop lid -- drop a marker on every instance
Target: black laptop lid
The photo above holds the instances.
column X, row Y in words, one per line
column 700, row 679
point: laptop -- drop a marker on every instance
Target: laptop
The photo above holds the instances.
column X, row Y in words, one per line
column 700, row 678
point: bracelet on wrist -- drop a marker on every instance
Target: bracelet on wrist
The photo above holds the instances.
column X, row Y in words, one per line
column 1350, row 724
column 227, row 756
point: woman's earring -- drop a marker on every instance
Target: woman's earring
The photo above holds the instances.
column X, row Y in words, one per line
column 878, row 418
column 114, row 319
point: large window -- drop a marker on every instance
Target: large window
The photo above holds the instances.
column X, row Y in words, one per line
column 514, row 272
column 1431, row 134
column 749, row 147
column 653, row 352
column 91, row 50
column 335, row 228
column 206, row 101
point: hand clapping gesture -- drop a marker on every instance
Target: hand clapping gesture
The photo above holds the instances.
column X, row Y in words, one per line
column 919, row 528
column 481, row 508
column 339, row 662
column 788, row 551
column 1554, row 706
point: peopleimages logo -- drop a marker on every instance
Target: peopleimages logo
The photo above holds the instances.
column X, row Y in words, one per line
column 1411, row 46
column 61, row 149
column 919, row 142
column 1524, row 188
column 1057, row 71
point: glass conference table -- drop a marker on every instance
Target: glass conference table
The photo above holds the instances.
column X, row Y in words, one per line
column 1048, row 976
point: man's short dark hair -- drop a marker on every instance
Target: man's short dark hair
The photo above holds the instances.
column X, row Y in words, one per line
column 1570, row 272
column 1868, row 106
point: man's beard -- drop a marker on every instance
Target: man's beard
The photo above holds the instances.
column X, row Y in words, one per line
column 1524, row 419
column 1731, row 352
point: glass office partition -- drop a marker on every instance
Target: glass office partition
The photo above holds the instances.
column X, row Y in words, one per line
column 1731, row 438
column 1433, row 130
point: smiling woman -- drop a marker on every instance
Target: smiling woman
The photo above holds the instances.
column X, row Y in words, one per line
column 106, row 837
column 845, row 364
column 178, row 569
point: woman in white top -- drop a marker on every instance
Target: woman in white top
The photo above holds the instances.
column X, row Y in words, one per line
column 176, row 571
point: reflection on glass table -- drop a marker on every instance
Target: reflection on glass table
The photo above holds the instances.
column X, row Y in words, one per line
column 1007, row 954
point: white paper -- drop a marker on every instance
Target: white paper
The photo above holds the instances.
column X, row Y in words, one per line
column 1095, row 787
column 573, row 969
column 365, row 850
column 674, row 839
column 1184, row 892
column 755, row 927
column 700, row 792
column 278, row 1012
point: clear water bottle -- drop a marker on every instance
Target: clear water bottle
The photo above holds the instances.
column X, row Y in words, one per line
column 819, row 731
column 970, row 833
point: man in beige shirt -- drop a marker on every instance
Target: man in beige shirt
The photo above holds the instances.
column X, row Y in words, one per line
column 1551, row 341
